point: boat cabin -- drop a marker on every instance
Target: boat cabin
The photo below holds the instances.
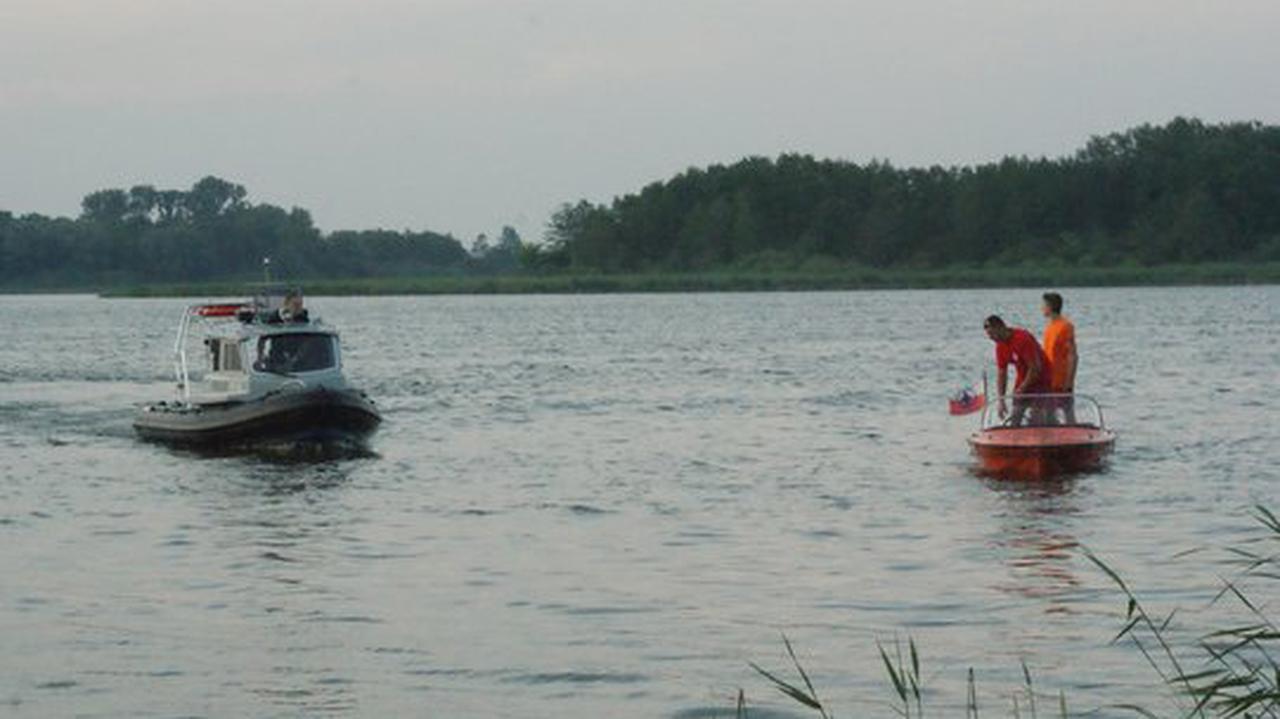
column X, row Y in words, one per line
column 254, row 349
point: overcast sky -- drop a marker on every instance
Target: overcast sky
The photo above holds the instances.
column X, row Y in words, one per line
column 461, row 116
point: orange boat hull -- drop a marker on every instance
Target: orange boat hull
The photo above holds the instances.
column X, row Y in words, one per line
column 1037, row 452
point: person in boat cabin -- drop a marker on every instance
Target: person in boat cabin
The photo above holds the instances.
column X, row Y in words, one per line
column 1060, row 347
column 292, row 311
column 1018, row 347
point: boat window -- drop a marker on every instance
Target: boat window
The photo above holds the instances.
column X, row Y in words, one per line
column 231, row 357
column 214, row 357
column 294, row 352
column 225, row 355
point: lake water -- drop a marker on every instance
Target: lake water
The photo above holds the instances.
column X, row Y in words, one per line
column 587, row 506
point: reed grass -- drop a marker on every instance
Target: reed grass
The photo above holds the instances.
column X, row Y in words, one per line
column 743, row 280
column 1227, row 672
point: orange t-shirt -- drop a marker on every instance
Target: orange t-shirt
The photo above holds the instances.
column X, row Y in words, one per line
column 1059, row 339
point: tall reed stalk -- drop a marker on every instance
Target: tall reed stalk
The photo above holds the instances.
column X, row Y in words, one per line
column 1228, row 672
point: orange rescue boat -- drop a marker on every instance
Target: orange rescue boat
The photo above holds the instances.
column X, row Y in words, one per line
column 1044, row 435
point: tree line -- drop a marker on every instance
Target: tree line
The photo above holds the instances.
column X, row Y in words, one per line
column 213, row 232
column 1184, row 192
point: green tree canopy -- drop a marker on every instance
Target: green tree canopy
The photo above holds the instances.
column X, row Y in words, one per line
column 1182, row 192
column 210, row 231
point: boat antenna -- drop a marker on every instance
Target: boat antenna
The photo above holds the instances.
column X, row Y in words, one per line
column 266, row 269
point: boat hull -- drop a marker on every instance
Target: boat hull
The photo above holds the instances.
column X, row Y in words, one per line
column 314, row 416
column 1041, row 452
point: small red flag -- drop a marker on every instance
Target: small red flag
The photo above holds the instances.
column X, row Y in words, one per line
column 967, row 401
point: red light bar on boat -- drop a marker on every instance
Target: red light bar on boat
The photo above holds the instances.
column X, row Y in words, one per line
column 218, row 310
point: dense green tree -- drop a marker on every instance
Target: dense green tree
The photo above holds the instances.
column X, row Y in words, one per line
column 209, row 232
column 500, row 256
column 1182, row 192
column 509, row 240
column 105, row 207
column 212, row 197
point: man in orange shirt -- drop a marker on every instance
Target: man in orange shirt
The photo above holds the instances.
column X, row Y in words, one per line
column 1060, row 346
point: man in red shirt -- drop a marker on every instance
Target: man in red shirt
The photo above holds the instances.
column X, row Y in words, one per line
column 1019, row 347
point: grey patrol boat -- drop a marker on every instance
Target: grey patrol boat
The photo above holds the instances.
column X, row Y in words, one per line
column 273, row 374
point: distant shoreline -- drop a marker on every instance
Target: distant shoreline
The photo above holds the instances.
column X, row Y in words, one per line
column 1225, row 274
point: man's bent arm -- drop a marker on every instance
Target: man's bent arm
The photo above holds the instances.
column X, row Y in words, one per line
column 1033, row 374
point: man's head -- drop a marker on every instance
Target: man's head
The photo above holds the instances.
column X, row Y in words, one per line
column 1052, row 304
column 293, row 302
column 996, row 329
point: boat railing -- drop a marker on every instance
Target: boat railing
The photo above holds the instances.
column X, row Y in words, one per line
column 180, row 354
column 222, row 310
column 1042, row 410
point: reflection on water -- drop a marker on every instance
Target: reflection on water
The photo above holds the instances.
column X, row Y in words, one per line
column 278, row 519
column 1033, row 533
column 282, row 452
column 295, row 476
column 605, row 506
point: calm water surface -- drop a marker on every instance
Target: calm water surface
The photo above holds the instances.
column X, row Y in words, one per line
column 605, row 506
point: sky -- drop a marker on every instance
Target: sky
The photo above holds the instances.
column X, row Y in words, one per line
column 462, row 116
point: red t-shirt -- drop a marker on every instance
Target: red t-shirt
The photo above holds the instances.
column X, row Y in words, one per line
column 1019, row 349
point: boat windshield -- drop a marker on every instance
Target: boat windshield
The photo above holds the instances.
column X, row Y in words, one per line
column 294, row 352
column 1042, row 410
